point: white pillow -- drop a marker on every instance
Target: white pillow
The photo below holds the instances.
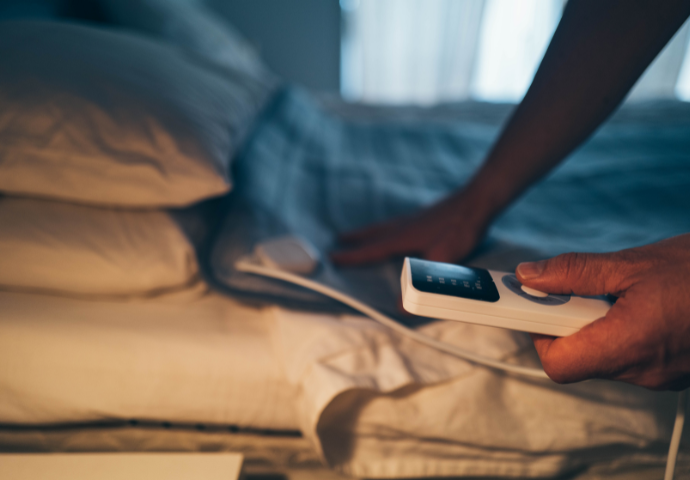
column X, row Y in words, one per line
column 66, row 248
column 188, row 24
column 111, row 118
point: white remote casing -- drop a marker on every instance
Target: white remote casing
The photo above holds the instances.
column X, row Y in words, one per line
column 512, row 311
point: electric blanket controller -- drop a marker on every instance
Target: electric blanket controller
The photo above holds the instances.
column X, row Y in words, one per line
column 497, row 299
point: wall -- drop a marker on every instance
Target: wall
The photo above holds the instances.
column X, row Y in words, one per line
column 299, row 39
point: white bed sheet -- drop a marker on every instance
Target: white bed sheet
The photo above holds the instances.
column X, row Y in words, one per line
column 380, row 406
column 191, row 357
column 372, row 404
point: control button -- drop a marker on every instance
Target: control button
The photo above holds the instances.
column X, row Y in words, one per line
column 533, row 292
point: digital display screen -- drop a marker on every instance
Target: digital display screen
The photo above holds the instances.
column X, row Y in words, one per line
column 454, row 280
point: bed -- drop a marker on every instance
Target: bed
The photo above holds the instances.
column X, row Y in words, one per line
column 187, row 358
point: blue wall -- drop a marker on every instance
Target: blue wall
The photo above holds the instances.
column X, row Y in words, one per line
column 299, row 39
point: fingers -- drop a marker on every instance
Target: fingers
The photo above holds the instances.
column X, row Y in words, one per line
column 371, row 244
column 561, row 361
column 451, row 247
column 435, row 234
column 448, row 246
column 590, row 353
column 441, row 253
column 599, row 349
column 376, row 251
column 374, row 243
column 370, row 232
column 578, row 273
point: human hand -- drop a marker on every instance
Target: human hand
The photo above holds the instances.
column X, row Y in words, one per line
column 445, row 232
column 645, row 338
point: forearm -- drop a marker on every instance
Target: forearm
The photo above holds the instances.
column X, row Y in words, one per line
column 599, row 50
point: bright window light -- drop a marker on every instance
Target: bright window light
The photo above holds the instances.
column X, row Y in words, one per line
column 683, row 84
column 431, row 51
column 514, row 37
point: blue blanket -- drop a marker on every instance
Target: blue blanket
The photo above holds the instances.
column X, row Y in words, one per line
column 318, row 172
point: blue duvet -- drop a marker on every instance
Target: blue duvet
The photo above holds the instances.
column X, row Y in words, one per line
column 311, row 171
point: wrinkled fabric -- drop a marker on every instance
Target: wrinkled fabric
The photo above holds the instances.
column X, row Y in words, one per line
column 190, row 357
column 107, row 117
column 378, row 405
column 78, row 250
column 318, row 171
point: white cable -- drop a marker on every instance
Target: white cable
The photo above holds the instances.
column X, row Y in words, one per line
column 675, row 437
column 246, row 265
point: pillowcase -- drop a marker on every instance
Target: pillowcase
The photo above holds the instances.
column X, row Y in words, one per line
column 66, row 248
column 188, row 24
column 111, row 118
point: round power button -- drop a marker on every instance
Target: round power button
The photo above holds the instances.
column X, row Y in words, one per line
column 533, row 292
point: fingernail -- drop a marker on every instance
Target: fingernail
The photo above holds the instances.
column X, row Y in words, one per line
column 531, row 269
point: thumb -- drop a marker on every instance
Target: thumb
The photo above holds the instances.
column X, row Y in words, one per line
column 577, row 273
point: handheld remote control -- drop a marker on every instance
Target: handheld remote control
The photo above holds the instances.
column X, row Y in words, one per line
column 497, row 299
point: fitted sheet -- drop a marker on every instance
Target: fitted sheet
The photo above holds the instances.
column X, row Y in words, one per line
column 194, row 357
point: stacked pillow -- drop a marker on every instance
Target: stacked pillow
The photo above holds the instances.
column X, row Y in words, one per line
column 64, row 248
column 101, row 131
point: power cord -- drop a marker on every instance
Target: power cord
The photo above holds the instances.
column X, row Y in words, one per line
column 249, row 265
column 675, row 437
column 246, row 265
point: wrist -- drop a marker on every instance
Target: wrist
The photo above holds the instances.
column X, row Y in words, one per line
column 486, row 197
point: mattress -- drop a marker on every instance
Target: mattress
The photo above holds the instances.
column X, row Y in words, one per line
column 198, row 371
column 265, row 457
column 193, row 357
column 262, row 452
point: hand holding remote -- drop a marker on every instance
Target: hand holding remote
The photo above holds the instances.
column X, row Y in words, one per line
column 645, row 337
